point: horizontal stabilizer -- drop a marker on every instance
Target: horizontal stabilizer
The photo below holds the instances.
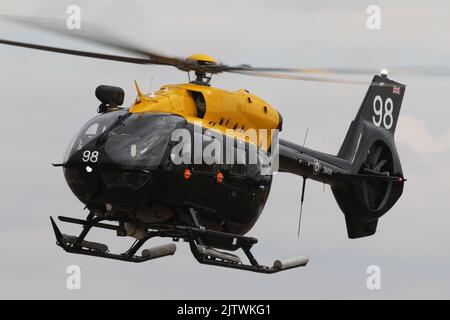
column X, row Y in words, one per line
column 374, row 177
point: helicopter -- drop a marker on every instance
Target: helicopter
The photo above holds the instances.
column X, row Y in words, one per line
column 141, row 171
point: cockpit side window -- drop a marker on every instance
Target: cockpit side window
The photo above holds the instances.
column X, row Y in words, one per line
column 92, row 129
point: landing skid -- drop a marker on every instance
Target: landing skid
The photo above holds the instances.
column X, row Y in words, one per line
column 78, row 245
column 199, row 238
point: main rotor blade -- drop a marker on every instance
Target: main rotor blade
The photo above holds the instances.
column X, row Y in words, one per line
column 396, row 71
column 406, row 70
column 94, row 35
column 78, row 52
column 298, row 77
column 318, row 71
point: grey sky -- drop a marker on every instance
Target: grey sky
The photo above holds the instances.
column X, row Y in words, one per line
column 46, row 97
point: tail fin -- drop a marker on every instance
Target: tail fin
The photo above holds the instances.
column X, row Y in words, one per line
column 370, row 147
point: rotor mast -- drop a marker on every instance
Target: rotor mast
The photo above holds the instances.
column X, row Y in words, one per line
column 202, row 60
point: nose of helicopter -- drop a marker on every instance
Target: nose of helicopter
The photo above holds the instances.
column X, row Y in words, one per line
column 117, row 150
column 104, row 184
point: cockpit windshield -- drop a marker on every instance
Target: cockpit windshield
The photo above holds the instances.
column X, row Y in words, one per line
column 141, row 140
column 128, row 140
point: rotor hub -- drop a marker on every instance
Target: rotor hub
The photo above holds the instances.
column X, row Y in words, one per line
column 202, row 59
column 202, row 62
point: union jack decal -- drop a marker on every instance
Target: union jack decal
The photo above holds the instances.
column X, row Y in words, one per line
column 396, row 90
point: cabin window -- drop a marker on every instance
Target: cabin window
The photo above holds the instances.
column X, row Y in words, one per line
column 200, row 103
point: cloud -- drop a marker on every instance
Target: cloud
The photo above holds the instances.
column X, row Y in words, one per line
column 415, row 133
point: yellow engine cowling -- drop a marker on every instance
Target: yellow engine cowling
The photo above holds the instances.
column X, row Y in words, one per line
column 231, row 113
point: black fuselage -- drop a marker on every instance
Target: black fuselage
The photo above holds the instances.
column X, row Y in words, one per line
column 226, row 197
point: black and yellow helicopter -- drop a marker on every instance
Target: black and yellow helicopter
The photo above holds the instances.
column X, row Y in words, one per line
column 121, row 162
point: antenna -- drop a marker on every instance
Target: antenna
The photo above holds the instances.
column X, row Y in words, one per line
column 139, row 93
column 301, row 205
column 306, row 136
column 303, row 190
column 151, row 85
